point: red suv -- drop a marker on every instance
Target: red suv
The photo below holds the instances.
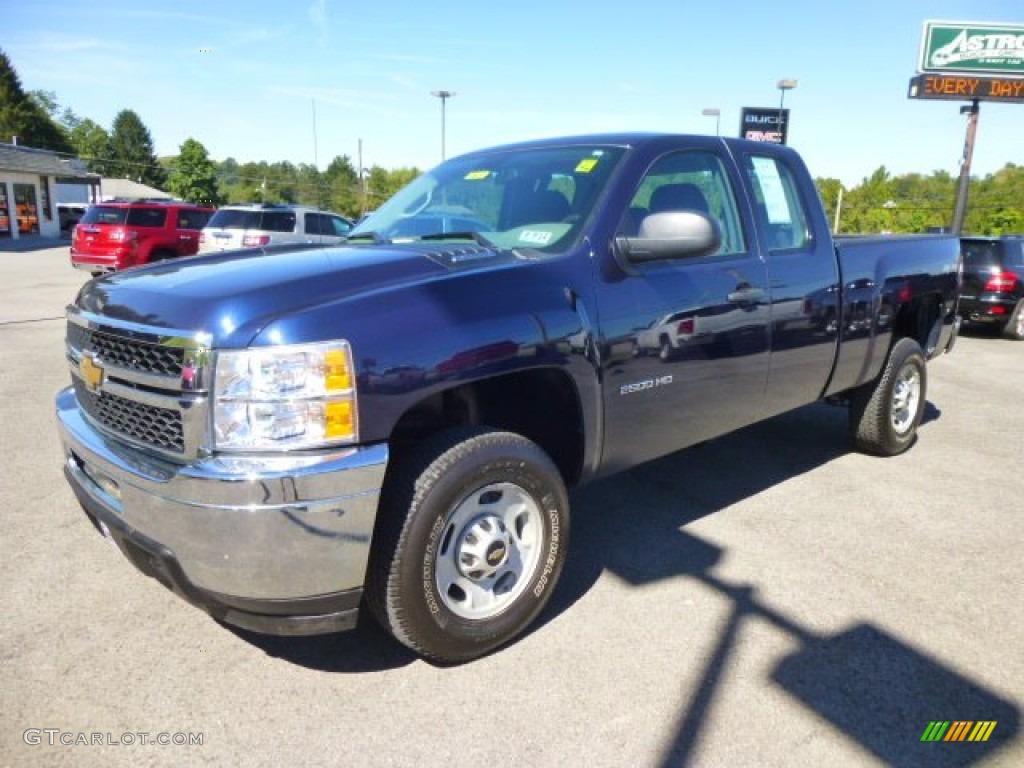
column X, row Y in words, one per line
column 117, row 235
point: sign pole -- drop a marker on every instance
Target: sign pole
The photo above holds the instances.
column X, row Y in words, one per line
column 965, row 166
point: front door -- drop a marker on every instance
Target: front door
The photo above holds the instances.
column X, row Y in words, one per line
column 685, row 341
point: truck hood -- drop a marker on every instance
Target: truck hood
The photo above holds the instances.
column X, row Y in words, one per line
column 233, row 295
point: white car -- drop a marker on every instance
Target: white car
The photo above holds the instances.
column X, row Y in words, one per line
column 253, row 226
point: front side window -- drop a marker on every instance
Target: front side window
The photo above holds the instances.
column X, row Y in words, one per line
column 532, row 199
column 337, row 225
column 688, row 181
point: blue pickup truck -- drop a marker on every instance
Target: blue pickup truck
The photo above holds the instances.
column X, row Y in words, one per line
column 284, row 435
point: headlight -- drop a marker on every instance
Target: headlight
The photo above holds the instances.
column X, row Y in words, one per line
column 285, row 397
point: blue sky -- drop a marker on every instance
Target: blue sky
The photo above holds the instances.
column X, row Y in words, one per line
column 244, row 78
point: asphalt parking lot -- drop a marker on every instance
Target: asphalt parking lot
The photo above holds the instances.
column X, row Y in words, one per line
column 767, row 599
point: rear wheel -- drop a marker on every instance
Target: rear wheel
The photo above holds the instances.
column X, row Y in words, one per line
column 156, row 256
column 1015, row 326
column 470, row 542
column 885, row 414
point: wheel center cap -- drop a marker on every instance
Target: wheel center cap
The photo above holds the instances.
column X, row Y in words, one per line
column 484, row 547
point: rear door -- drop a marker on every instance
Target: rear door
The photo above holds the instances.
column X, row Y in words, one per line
column 803, row 279
column 685, row 349
column 149, row 226
column 189, row 223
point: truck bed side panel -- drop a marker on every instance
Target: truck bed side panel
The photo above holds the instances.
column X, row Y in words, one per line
column 882, row 277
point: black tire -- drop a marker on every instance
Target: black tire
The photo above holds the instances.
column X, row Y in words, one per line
column 471, row 538
column 885, row 414
column 665, row 352
column 157, row 256
column 1014, row 328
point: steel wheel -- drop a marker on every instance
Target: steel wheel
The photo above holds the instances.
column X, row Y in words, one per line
column 490, row 550
column 906, row 396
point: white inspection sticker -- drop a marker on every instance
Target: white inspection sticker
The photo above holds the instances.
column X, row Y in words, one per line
column 534, row 236
column 774, row 193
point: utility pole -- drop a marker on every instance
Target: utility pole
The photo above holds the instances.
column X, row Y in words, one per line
column 960, row 212
column 783, row 85
column 443, row 96
column 362, row 182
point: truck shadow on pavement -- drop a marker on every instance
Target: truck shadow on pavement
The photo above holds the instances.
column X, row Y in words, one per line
column 863, row 682
column 870, row 686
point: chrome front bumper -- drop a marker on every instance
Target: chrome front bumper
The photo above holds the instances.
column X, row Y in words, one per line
column 277, row 544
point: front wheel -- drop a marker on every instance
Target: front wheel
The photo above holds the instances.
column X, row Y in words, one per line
column 885, row 413
column 471, row 540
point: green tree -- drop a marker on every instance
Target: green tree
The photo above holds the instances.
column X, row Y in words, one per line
column 132, row 154
column 381, row 184
column 24, row 117
column 91, row 143
column 194, row 175
column 830, row 191
column 342, row 184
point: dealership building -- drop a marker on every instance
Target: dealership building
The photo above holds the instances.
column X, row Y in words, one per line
column 28, row 185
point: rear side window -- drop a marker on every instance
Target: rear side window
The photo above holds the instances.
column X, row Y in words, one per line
column 105, row 214
column 147, row 217
column 278, row 221
column 192, row 219
column 778, row 204
column 980, row 253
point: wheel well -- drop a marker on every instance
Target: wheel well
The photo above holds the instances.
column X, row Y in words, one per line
column 920, row 320
column 541, row 405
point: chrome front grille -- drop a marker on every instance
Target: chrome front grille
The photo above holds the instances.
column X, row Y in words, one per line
column 129, row 353
column 144, row 385
column 159, row 427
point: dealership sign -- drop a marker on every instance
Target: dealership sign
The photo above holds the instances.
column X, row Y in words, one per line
column 764, row 124
column 1008, row 90
column 992, row 48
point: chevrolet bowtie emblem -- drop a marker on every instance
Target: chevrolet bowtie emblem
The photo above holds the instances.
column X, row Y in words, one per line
column 92, row 373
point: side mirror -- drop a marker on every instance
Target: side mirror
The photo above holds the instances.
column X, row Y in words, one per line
column 671, row 235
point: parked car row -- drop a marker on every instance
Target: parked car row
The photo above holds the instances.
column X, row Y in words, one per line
column 115, row 235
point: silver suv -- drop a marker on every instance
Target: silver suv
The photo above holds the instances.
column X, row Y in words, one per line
column 251, row 226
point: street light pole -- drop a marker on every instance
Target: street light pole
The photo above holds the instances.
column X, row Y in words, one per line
column 783, row 85
column 716, row 113
column 443, row 96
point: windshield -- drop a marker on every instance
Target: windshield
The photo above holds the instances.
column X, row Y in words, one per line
column 535, row 198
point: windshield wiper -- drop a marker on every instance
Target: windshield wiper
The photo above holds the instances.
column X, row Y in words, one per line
column 374, row 236
column 476, row 237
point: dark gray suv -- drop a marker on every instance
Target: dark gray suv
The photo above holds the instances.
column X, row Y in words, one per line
column 993, row 287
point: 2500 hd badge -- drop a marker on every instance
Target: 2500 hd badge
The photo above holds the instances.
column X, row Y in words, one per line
column 640, row 386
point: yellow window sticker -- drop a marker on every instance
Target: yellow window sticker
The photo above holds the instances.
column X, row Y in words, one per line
column 477, row 175
column 586, row 165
